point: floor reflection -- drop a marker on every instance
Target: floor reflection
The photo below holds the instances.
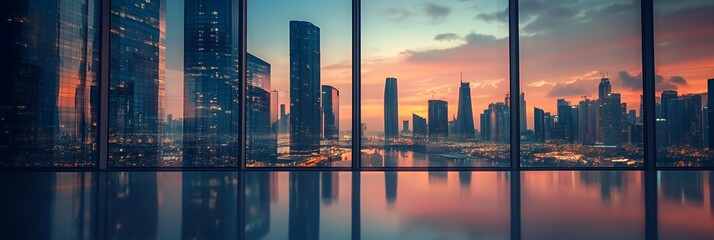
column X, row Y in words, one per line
column 319, row 205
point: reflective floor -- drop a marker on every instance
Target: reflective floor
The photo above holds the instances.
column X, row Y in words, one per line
column 372, row 205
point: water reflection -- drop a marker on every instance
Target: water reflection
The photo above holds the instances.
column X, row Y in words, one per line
column 318, row 205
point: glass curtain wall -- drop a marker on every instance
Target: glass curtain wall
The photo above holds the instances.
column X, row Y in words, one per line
column 49, row 73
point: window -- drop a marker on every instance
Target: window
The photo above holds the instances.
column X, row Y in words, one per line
column 174, row 84
column 683, row 57
column 581, row 77
column 435, row 84
column 49, row 92
column 299, row 83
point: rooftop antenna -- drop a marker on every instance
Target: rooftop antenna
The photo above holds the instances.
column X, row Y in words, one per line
column 462, row 77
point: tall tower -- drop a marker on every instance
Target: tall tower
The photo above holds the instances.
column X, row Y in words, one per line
column 304, row 88
column 438, row 119
column 710, row 113
column 330, row 112
column 212, row 84
column 539, row 126
column 465, row 115
column 260, row 136
column 391, row 109
column 136, row 84
column 604, row 88
column 49, row 88
column 522, row 111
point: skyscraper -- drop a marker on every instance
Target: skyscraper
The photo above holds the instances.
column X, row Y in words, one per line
column 710, row 114
column 565, row 122
column 212, row 84
column 330, row 112
column 405, row 127
column 49, row 92
column 391, row 109
column 611, row 120
column 260, row 138
column 685, row 121
column 419, row 125
column 604, row 88
column 438, row 119
column 465, row 115
column 522, row 119
column 136, row 81
column 305, row 91
column 496, row 122
column 284, row 121
column 587, row 122
column 539, row 127
column 665, row 97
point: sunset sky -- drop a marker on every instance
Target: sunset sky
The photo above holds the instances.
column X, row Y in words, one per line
column 426, row 44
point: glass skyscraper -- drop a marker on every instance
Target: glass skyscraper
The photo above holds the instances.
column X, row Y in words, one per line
column 48, row 92
column 465, row 114
column 330, row 113
column 438, row 119
column 304, row 88
column 391, row 109
column 212, row 85
column 261, row 138
column 136, row 82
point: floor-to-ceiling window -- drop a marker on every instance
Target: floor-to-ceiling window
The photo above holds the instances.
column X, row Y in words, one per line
column 435, row 84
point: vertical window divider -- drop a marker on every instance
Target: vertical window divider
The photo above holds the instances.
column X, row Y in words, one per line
column 356, row 84
column 105, row 33
column 514, row 68
column 648, row 76
column 242, row 9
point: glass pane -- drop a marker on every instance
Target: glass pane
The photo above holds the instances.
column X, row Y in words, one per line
column 685, row 204
column 414, row 58
column 582, row 205
column 581, row 76
column 684, row 55
column 462, row 205
column 298, row 205
column 299, row 83
column 49, row 94
column 174, row 84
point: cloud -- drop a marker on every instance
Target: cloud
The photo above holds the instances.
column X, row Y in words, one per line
column 575, row 88
column 397, row 14
column 634, row 82
column 500, row 16
column 436, row 12
column 679, row 80
column 447, row 37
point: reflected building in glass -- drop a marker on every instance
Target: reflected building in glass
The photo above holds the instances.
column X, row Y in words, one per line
column 261, row 138
column 304, row 88
column 209, row 205
column 212, row 86
column 304, row 208
column 136, row 91
column 138, row 192
column 49, row 94
column 330, row 113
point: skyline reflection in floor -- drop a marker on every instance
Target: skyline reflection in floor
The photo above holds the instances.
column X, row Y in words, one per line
column 327, row 205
